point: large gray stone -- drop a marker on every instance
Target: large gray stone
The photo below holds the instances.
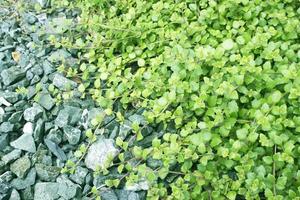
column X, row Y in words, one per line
column 99, row 152
column 6, row 127
column 63, row 83
column 14, row 195
column 21, row 184
column 72, row 134
column 33, row 113
column 12, row 75
column 46, row 172
column 11, row 156
column 25, row 142
column 21, row 166
column 46, row 191
column 55, row 149
column 46, row 101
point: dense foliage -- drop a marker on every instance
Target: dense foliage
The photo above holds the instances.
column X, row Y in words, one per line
column 219, row 79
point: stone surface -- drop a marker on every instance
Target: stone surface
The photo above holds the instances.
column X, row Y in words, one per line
column 63, row 83
column 46, row 172
column 28, row 128
column 55, row 149
column 46, row 101
column 6, row 127
column 21, row 184
column 79, row 175
column 72, row 134
column 25, row 142
column 46, row 191
column 21, row 166
column 3, row 141
column 12, row 75
column 15, row 195
column 33, row 113
column 99, row 152
column 11, row 156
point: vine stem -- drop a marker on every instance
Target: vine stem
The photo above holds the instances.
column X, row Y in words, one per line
column 274, row 170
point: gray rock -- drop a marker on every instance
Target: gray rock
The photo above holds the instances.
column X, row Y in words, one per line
column 15, row 117
column 79, row 175
column 63, row 83
column 4, row 102
column 6, row 127
column 46, row 191
column 67, row 189
column 6, row 177
column 14, row 195
column 39, row 130
column 33, row 113
column 21, row 166
column 3, row 141
column 27, row 193
column 25, row 142
column 127, row 195
column 46, row 101
column 46, row 172
column 99, row 152
column 55, row 135
column 68, row 115
column 55, row 149
column 108, row 194
column 28, row 128
column 21, row 184
column 72, row 134
column 11, row 156
column 62, row 189
column 12, row 75
column 11, row 97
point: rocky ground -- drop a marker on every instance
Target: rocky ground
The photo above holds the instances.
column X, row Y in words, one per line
column 38, row 131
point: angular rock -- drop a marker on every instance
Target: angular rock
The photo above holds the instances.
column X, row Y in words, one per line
column 99, row 152
column 108, row 194
column 6, row 127
column 4, row 102
column 25, row 142
column 21, row 166
column 28, row 128
column 46, row 191
column 67, row 189
column 38, row 132
column 3, row 141
column 12, row 75
column 46, row 172
column 55, row 149
column 11, row 156
column 68, row 115
column 33, row 113
column 79, row 175
column 15, row 117
column 73, row 134
column 14, row 195
column 63, row 83
column 27, row 193
column 55, row 135
column 11, row 97
column 21, row 184
column 127, row 195
column 46, row 101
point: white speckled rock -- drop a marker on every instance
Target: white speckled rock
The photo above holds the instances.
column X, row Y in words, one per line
column 99, row 152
